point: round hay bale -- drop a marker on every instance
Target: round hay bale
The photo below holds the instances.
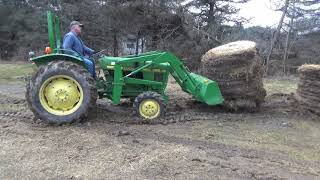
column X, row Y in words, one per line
column 237, row 68
column 309, row 68
column 238, row 50
column 308, row 90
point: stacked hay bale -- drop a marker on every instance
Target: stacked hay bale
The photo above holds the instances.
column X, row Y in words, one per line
column 308, row 92
column 237, row 68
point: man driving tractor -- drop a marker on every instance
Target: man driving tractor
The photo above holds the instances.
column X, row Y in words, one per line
column 72, row 41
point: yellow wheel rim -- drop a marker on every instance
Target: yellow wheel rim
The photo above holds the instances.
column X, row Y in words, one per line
column 149, row 109
column 61, row 95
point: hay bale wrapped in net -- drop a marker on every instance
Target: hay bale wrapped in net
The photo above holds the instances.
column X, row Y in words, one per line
column 237, row 68
column 308, row 92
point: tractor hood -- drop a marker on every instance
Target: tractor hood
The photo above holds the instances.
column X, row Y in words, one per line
column 128, row 61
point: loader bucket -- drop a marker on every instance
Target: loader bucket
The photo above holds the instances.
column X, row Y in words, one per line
column 207, row 90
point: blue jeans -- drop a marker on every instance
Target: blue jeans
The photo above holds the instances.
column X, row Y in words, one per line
column 90, row 66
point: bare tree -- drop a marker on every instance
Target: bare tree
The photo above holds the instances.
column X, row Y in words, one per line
column 298, row 17
column 284, row 10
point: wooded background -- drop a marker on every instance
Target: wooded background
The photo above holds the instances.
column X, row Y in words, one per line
column 186, row 28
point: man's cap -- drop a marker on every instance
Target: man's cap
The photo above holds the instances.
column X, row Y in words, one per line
column 76, row 23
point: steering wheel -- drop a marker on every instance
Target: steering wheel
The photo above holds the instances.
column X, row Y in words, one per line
column 98, row 54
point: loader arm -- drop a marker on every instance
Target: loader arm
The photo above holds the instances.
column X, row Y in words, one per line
column 202, row 88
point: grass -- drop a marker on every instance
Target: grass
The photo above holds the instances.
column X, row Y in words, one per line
column 15, row 70
column 282, row 85
column 12, row 73
column 299, row 142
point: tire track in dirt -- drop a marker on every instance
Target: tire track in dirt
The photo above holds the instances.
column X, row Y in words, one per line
column 174, row 113
column 18, row 108
column 14, row 107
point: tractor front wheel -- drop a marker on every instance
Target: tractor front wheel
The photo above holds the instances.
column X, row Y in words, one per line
column 61, row 92
column 149, row 105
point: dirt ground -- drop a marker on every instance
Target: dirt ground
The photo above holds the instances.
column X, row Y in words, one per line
column 194, row 141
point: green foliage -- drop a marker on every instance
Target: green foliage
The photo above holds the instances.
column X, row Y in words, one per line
column 18, row 25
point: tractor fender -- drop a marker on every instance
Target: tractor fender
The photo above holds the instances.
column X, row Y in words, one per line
column 45, row 59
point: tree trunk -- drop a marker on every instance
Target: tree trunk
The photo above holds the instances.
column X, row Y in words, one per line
column 142, row 45
column 115, row 44
column 211, row 14
column 286, row 50
column 211, row 18
column 137, row 43
column 276, row 34
column 154, row 42
column 285, row 55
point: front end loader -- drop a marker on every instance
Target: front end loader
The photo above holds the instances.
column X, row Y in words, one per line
column 62, row 90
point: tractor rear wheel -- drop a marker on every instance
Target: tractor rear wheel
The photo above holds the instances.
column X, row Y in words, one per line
column 61, row 92
column 149, row 105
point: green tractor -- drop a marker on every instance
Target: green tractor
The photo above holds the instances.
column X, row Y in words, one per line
column 63, row 91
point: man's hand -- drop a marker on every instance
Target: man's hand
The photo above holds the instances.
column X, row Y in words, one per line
column 87, row 51
column 98, row 54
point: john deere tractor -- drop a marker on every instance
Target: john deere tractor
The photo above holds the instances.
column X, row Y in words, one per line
column 62, row 90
